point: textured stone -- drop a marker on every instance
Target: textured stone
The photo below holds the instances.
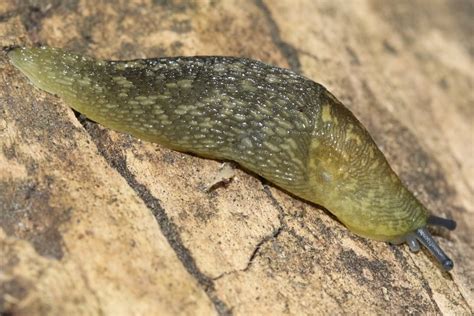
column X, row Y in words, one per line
column 93, row 221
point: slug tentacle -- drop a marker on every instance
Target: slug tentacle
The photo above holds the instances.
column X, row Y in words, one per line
column 443, row 222
column 272, row 121
column 422, row 235
column 427, row 240
column 412, row 242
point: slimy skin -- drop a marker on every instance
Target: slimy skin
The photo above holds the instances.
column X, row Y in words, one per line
column 272, row 121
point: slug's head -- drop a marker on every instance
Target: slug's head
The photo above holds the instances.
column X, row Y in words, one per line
column 421, row 235
column 50, row 69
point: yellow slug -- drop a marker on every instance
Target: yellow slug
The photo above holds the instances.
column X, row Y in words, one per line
column 272, row 121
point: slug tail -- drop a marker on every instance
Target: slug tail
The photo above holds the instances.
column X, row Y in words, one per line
column 425, row 238
column 35, row 63
column 19, row 58
column 53, row 70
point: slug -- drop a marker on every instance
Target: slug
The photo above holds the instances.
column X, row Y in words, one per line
column 276, row 123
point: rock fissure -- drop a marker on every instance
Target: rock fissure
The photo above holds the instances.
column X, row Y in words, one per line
column 116, row 160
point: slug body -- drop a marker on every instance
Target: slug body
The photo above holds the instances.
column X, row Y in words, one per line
column 280, row 125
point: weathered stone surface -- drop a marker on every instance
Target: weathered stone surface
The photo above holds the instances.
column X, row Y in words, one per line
column 96, row 222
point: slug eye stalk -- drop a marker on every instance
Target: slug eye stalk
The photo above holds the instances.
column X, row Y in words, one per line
column 422, row 235
column 443, row 222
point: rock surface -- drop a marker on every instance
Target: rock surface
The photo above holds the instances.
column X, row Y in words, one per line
column 97, row 222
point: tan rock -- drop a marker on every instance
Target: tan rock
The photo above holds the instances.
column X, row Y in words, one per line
column 97, row 222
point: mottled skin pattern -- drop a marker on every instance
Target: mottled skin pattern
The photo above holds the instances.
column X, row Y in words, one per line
column 278, row 124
